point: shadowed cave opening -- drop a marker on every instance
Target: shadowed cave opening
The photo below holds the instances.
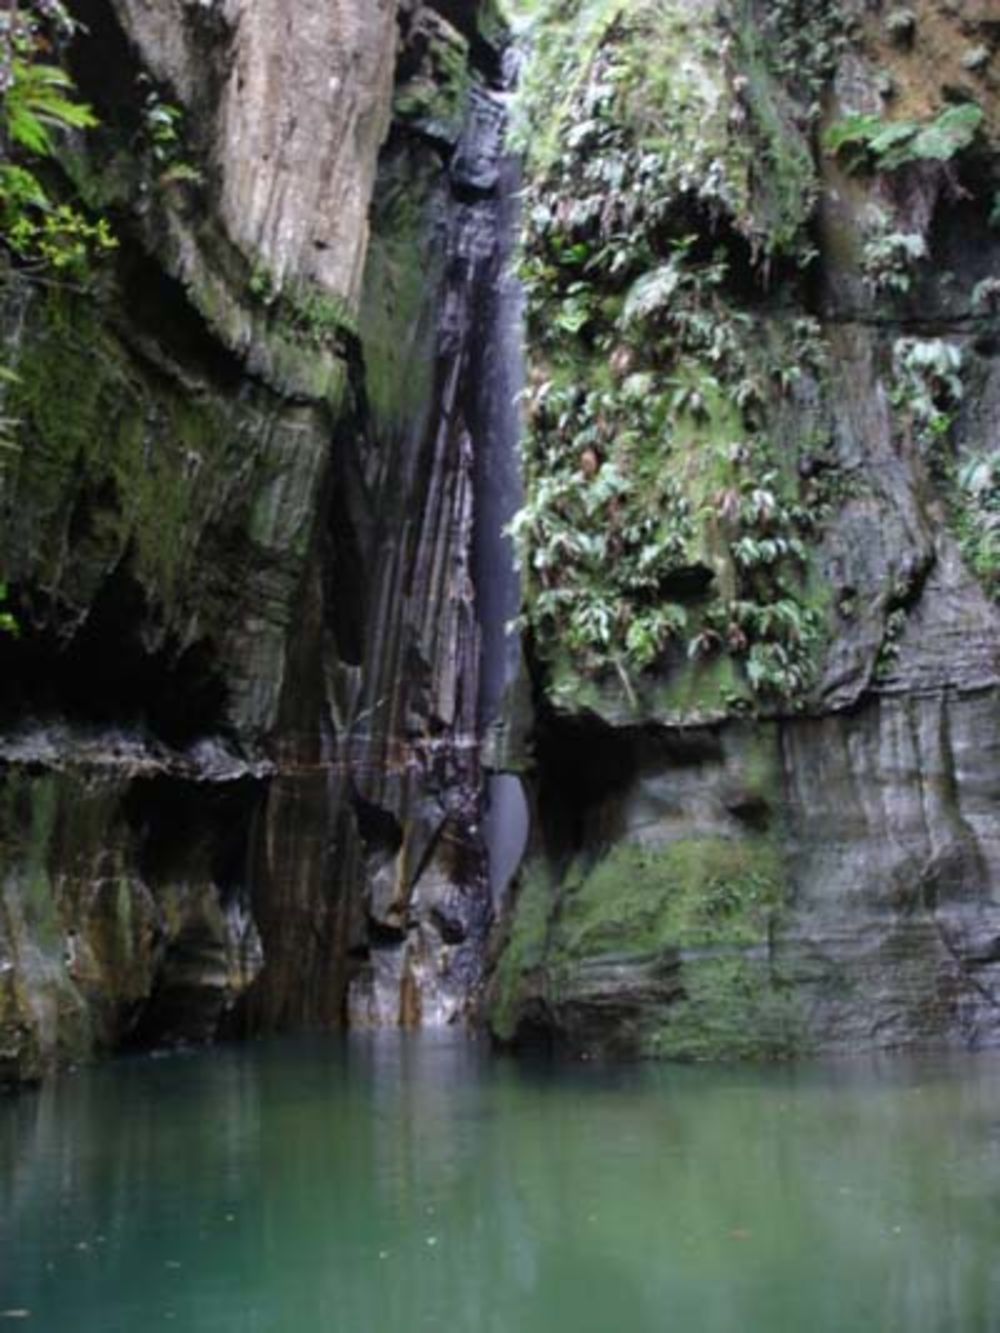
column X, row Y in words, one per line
column 116, row 668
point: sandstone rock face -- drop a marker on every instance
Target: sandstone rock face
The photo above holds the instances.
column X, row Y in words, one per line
column 292, row 105
column 252, row 534
column 823, row 876
column 238, row 742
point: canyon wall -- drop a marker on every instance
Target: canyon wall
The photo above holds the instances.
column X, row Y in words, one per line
column 760, row 535
column 238, row 744
column 251, row 532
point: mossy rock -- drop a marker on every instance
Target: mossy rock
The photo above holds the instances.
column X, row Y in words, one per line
column 660, row 951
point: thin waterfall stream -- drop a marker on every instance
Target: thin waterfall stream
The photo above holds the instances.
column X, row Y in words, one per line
column 437, row 865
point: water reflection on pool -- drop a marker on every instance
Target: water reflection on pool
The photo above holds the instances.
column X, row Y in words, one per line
column 390, row 1184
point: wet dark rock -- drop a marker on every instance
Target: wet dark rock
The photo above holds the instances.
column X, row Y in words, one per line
column 239, row 732
column 824, row 876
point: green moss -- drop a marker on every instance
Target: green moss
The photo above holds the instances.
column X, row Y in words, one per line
column 695, row 892
column 785, row 184
column 709, row 905
column 735, row 1008
column 126, row 463
column 666, row 523
column 83, row 411
column 524, row 952
column 403, row 266
column 434, row 100
column 699, row 691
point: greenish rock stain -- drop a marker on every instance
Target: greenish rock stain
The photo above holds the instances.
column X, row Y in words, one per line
column 695, row 892
column 525, row 950
column 708, row 907
column 403, row 265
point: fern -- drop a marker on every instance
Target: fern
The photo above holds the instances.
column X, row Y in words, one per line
column 867, row 141
column 39, row 101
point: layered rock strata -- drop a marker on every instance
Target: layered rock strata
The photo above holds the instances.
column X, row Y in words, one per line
column 760, row 531
column 238, row 748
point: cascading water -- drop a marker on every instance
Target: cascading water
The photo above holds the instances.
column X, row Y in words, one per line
column 499, row 372
column 443, row 832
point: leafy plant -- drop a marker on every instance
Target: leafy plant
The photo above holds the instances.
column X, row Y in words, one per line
column 37, row 103
column 868, row 142
column 8, row 622
column 889, row 256
column 977, row 516
column 661, row 526
column 163, row 137
column 928, row 386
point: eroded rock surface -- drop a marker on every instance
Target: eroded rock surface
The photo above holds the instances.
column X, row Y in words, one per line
column 824, row 875
column 238, row 743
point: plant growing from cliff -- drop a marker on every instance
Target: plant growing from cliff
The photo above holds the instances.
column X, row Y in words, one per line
column 37, row 104
column 889, row 257
column 866, row 142
column 978, row 516
column 163, row 137
column 8, row 623
column 661, row 530
column 928, row 387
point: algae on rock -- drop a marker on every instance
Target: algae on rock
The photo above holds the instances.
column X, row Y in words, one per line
column 762, row 419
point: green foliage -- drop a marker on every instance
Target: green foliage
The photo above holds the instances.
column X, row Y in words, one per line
column 664, row 528
column 37, row 105
column 39, row 101
column 985, row 297
column 8, row 623
column 163, row 138
column 978, row 516
column 889, row 257
column 55, row 237
column 927, row 388
column 867, row 142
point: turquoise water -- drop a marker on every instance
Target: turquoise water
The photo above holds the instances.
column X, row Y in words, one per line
column 394, row 1185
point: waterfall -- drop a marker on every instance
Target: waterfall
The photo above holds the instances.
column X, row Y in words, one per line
column 499, row 373
column 442, row 832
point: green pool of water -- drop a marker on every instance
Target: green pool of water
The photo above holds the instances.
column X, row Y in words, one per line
column 392, row 1185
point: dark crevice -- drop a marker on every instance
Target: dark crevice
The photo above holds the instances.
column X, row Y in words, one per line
column 346, row 535
column 160, row 309
column 192, row 837
column 116, row 667
column 186, row 827
column 380, row 830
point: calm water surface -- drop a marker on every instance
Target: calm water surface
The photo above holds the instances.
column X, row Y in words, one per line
column 394, row 1185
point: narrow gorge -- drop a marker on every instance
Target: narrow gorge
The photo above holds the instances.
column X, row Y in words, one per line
column 505, row 533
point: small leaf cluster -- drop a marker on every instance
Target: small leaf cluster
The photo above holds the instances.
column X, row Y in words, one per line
column 889, row 257
column 869, row 143
column 927, row 388
column 37, row 105
column 8, row 622
column 163, row 137
column 978, row 516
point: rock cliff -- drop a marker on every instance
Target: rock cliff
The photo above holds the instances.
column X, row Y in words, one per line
column 251, row 531
column 238, row 750
column 759, row 536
